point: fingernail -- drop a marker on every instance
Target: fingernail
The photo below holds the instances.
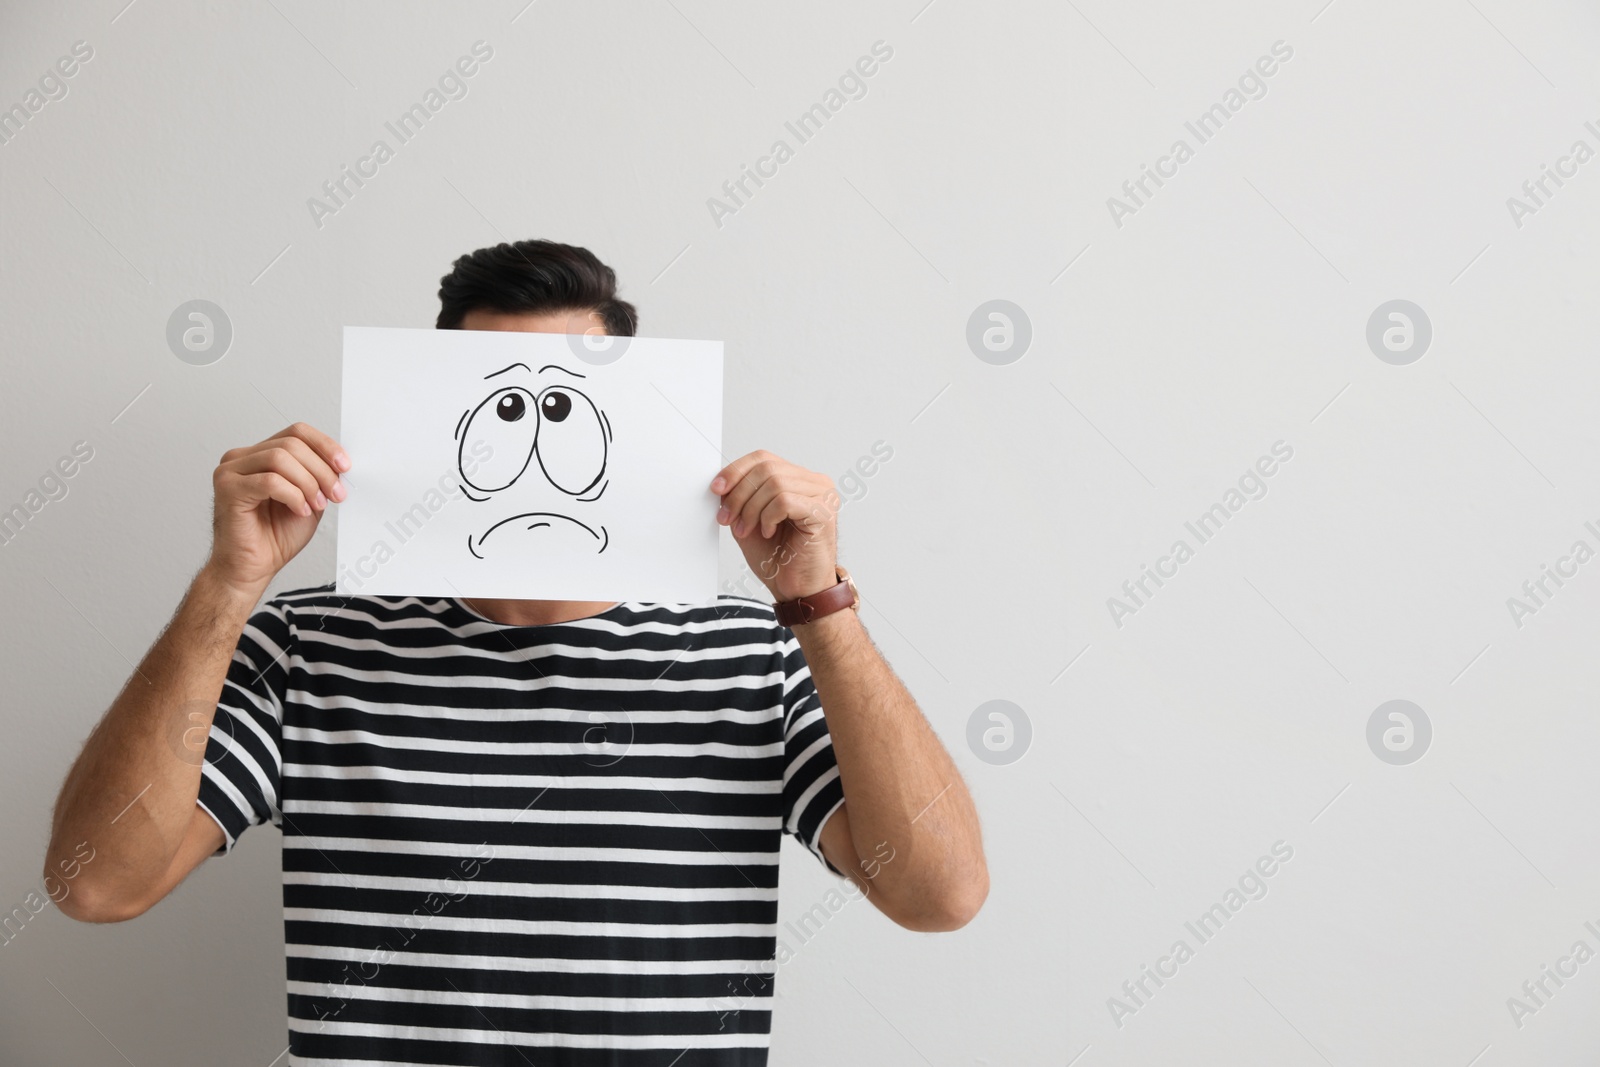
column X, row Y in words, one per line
column 341, row 460
column 718, row 485
column 722, row 514
column 321, row 501
column 738, row 528
column 305, row 510
column 339, row 491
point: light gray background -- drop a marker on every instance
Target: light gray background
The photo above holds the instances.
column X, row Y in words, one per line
column 1229, row 313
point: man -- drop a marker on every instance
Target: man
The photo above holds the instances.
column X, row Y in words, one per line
column 549, row 825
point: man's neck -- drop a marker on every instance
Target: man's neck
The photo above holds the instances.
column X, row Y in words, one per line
column 537, row 612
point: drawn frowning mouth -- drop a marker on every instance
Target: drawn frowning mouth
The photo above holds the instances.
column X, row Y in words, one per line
column 538, row 519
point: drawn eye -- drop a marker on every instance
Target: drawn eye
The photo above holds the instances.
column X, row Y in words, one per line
column 572, row 440
column 498, row 430
column 511, row 408
column 555, row 406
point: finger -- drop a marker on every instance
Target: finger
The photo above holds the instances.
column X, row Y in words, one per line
column 729, row 476
column 332, row 487
column 818, row 515
column 269, row 485
column 778, row 509
column 743, row 519
column 281, row 461
column 750, row 514
column 797, row 508
column 326, row 447
column 739, row 493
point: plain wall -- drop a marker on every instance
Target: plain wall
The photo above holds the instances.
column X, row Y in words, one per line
column 1171, row 348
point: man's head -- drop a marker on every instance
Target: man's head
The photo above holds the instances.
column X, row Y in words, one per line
column 533, row 445
column 537, row 286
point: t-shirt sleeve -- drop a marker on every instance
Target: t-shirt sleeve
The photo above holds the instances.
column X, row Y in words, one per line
column 812, row 790
column 239, row 780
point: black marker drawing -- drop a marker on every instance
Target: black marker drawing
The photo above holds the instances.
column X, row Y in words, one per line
column 555, row 424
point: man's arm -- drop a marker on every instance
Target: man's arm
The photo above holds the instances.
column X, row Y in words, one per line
column 904, row 797
column 908, row 832
column 126, row 828
column 130, row 797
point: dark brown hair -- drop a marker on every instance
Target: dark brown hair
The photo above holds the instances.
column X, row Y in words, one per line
column 537, row 277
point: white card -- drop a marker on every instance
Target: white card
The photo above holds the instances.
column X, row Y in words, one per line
column 529, row 466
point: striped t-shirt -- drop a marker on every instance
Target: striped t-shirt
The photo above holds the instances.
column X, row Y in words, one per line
column 549, row 844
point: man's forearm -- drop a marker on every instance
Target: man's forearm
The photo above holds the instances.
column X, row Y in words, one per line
column 900, row 784
column 131, row 793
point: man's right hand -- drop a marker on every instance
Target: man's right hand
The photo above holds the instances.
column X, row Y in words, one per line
column 270, row 496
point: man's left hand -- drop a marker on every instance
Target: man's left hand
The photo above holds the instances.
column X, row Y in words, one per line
column 785, row 519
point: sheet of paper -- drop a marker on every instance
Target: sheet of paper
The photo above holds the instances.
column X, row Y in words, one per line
column 529, row 466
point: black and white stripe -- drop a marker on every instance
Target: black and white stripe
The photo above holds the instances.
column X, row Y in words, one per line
column 511, row 844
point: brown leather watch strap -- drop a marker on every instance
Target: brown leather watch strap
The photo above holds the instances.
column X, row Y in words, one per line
column 808, row 608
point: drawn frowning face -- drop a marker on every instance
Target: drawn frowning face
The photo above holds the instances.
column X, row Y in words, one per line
column 547, row 444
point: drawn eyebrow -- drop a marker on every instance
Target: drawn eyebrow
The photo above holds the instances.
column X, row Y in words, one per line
column 563, row 370
column 513, row 366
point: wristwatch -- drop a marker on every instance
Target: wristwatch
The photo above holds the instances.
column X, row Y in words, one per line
column 806, row 609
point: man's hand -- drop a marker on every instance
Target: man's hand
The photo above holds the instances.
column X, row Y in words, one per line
column 270, row 497
column 785, row 520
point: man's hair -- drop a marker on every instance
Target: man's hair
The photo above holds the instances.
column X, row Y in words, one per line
column 537, row 277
